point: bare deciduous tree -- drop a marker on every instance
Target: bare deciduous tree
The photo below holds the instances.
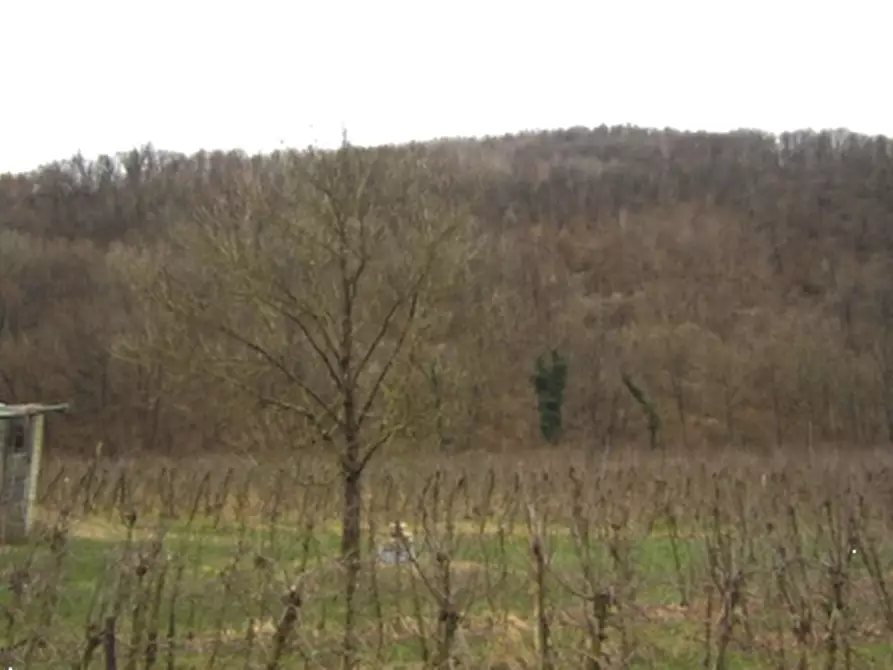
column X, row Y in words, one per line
column 312, row 308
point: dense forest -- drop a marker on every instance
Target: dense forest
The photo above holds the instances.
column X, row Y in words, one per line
column 185, row 303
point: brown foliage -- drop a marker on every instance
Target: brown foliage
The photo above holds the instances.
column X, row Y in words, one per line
column 743, row 279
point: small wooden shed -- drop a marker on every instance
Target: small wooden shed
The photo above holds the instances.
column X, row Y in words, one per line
column 21, row 447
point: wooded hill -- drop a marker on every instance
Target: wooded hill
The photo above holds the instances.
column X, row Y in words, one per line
column 742, row 280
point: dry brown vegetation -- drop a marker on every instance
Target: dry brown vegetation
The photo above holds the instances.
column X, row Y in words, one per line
column 742, row 279
column 346, row 319
column 551, row 560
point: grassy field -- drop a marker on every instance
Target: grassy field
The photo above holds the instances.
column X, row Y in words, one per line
column 718, row 561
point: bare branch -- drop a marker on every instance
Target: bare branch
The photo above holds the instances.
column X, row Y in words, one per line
column 377, row 340
column 373, row 392
column 324, row 356
column 382, row 440
column 279, row 365
column 324, row 433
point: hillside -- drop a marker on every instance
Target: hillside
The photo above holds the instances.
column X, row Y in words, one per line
column 743, row 280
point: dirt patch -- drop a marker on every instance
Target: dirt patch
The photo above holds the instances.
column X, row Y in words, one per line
column 465, row 575
column 100, row 529
column 670, row 613
column 259, row 631
column 505, row 641
column 466, row 567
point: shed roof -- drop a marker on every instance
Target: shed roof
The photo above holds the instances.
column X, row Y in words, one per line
column 29, row 409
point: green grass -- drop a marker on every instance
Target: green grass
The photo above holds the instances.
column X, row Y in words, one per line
column 229, row 575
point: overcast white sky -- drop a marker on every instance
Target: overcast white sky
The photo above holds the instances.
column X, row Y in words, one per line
column 106, row 75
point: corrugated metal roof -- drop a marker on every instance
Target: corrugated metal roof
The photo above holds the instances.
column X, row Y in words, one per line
column 29, row 409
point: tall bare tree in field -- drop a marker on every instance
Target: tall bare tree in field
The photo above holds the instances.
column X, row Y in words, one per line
column 310, row 288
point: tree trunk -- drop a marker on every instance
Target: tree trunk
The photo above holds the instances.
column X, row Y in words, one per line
column 351, row 519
